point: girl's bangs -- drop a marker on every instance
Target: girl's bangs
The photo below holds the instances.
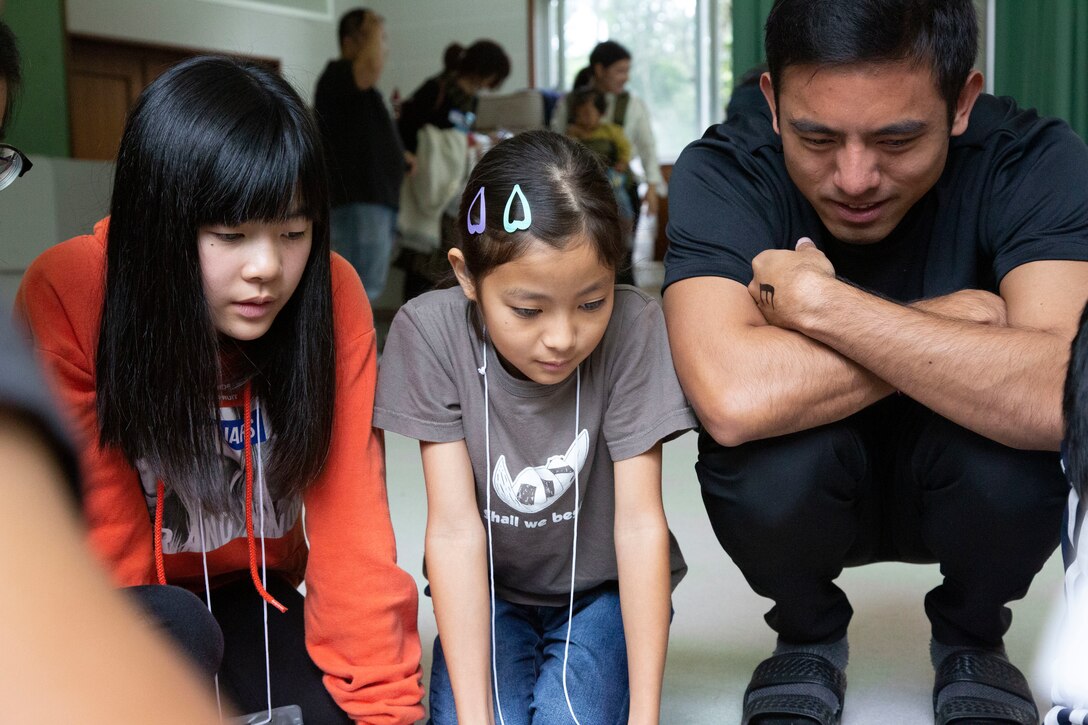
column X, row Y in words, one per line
column 259, row 174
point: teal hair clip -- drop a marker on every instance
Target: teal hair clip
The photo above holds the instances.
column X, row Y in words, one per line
column 514, row 225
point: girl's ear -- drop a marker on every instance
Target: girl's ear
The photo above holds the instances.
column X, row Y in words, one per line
column 460, row 270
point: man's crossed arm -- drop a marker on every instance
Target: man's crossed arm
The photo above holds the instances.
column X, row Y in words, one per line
column 800, row 348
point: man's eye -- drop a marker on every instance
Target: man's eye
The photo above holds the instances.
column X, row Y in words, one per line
column 816, row 141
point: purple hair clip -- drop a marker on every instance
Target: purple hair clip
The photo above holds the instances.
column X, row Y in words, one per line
column 477, row 228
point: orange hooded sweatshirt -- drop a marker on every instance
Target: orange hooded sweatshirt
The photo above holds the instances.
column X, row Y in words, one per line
column 360, row 607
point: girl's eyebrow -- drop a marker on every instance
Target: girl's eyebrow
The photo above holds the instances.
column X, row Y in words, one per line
column 533, row 295
column 524, row 294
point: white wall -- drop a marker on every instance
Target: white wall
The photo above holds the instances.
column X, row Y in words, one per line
column 302, row 44
column 419, row 30
column 58, row 199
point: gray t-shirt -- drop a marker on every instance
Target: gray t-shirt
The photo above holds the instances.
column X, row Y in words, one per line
column 429, row 388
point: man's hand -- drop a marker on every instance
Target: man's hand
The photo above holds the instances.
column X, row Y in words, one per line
column 969, row 305
column 786, row 284
column 409, row 163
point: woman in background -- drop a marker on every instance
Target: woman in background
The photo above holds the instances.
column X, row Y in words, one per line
column 445, row 101
column 449, row 99
column 608, row 71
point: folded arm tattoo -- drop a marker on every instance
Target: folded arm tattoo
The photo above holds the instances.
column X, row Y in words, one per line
column 766, row 295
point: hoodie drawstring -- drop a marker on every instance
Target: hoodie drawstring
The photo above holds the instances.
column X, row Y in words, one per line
column 160, row 568
column 160, row 495
column 246, row 423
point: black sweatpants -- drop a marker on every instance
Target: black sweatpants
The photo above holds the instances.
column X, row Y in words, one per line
column 894, row 482
column 236, row 630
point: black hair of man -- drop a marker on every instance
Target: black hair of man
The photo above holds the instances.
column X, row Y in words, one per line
column 351, row 22
column 11, row 71
column 939, row 34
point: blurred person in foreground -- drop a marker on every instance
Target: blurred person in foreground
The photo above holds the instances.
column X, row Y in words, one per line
column 72, row 649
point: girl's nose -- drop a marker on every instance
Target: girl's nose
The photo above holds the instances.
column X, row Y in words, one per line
column 560, row 334
column 263, row 261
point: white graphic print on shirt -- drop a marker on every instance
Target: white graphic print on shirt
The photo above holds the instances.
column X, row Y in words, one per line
column 180, row 531
column 537, row 487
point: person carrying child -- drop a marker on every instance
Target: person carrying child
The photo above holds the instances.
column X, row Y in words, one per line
column 541, row 393
column 607, row 140
column 219, row 364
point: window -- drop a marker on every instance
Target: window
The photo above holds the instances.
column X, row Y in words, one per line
column 681, row 65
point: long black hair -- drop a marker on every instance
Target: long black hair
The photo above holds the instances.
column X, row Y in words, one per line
column 212, row 141
column 1075, row 410
column 939, row 34
column 568, row 193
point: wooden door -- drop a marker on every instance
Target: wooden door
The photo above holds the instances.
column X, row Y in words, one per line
column 105, row 78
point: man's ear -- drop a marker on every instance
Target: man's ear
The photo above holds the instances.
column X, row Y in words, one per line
column 460, row 270
column 968, row 95
column 767, row 87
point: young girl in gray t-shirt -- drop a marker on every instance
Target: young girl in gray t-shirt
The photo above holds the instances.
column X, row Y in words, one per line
column 540, row 393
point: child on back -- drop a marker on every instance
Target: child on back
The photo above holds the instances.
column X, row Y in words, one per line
column 220, row 366
column 1069, row 666
column 541, row 394
column 586, row 107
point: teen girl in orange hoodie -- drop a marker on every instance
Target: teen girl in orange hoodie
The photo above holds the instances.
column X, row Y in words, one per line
column 220, row 366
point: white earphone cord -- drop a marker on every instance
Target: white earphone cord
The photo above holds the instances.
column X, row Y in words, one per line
column 264, row 571
column 264, row 582
column 208, row 599
column 490, row 553
column 574, row 546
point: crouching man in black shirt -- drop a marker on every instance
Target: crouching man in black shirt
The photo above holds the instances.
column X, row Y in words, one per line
column 871, row 288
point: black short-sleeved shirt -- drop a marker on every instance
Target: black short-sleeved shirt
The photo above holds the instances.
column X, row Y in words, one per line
column 1014, row 190
column 365, row 156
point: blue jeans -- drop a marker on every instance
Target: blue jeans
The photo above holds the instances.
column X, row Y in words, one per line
column 530, row 642
column 363, row 234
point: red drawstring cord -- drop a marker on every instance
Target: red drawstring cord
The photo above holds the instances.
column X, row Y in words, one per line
column 160, row 494
column 246, row 422
column 160, row 568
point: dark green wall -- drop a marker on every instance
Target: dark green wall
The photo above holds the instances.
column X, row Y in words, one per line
column 1042, row 58
column 748, row 19
column 40, row 123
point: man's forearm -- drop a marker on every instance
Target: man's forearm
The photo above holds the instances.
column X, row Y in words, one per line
column 1001, row 382
column 749, row 380
column 785, row 382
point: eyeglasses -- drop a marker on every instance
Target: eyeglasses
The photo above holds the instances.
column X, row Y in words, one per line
column 13, row 164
